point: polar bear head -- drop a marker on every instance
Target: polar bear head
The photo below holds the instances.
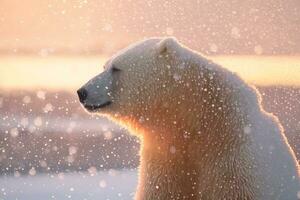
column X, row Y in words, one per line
column 137, row 83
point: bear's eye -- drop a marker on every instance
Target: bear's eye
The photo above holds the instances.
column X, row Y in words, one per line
column 115, row 69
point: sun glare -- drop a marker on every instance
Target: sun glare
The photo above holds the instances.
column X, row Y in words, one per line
column 68, row 73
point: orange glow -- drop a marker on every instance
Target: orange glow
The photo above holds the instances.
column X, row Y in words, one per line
column 264, row 70
column 63, row 73
column 70, row 72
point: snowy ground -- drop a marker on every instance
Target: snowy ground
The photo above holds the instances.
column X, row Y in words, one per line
column 106, row 185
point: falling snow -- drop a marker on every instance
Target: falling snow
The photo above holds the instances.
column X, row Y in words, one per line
column 50, row 146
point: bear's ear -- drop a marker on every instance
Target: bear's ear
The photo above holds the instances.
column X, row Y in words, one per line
column 168, row 45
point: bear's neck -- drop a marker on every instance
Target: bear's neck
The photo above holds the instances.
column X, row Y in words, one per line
column 171, row 167
column 166, row 170
column 176, row 157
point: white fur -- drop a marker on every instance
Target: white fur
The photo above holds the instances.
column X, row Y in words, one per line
column 204, row 133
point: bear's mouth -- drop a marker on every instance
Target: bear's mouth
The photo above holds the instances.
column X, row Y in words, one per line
column 96, row 107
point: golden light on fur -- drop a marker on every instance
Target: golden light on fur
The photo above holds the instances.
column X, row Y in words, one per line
column 203, row 132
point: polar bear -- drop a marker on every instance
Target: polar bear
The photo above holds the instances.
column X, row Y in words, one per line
column 204, row 134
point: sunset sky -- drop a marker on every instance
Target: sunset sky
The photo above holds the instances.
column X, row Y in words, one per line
column 210, row 26
column 60, row 44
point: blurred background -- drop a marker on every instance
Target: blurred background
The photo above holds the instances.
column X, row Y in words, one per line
column 50, row 148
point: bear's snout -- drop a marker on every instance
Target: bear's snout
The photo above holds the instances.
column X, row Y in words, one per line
column 96, row 93
column 82, row 94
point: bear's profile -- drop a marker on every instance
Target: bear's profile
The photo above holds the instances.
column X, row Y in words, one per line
column 204, row 134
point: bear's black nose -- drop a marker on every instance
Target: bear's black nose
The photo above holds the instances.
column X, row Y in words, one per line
column 82, row 94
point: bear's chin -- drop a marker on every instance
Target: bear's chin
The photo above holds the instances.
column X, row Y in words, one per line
column 96, row 108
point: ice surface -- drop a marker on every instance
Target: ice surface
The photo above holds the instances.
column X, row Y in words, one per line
column 106, row 185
